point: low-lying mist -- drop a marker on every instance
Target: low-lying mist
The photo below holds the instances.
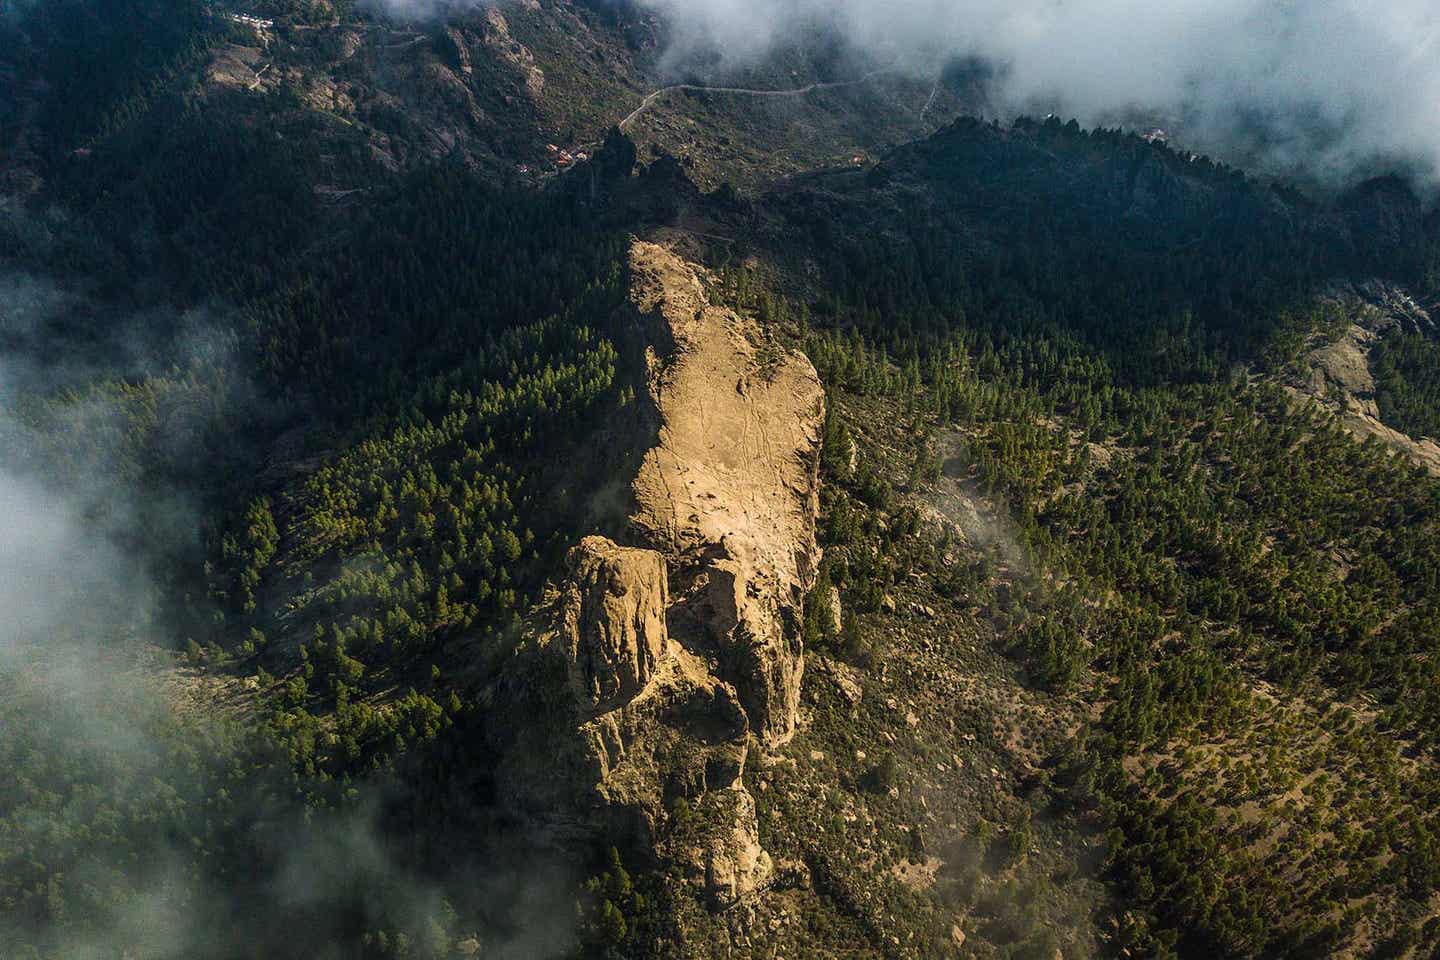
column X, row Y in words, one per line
column 145, row 813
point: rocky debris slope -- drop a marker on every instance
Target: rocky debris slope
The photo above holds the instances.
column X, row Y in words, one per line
column 1336, row 375
column 677, row 650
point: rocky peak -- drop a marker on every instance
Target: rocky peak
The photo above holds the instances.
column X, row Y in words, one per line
column 678, row 649
column 731, row 489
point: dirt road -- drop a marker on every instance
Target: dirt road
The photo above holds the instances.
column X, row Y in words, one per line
column 747, row 91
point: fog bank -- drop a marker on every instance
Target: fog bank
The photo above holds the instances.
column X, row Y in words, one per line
column 1328, row 88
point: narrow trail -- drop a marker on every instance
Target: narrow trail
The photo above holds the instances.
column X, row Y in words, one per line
column 747, row 91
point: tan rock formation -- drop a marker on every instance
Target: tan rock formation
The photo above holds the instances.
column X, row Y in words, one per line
column 667, row 656
column 614, row 620
column 733, row 480
column 730, row 863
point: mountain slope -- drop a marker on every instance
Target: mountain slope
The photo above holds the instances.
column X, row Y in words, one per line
column 705, row 547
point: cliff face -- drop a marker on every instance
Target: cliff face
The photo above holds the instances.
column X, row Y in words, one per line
column 613, row 621
column 676, row 650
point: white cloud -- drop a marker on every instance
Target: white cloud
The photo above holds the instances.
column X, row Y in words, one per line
column 1326, row 87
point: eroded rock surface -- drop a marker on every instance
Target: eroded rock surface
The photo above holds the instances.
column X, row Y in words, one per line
column 731, row 486
column 614, row 620
column 730, row 863
column 679, row 647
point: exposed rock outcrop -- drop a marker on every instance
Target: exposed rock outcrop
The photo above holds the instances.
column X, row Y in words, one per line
column 676, row 650
column 732, row 486
column 614, row 620
column 730, row 863
column 510, row 51
column 1337, row 374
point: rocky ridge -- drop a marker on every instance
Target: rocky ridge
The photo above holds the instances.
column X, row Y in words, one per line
column 682, row 649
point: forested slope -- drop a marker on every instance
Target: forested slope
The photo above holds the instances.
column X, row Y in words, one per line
column 1114, row 646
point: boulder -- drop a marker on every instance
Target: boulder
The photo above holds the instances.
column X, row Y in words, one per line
column 957, row 936
column 733, row 863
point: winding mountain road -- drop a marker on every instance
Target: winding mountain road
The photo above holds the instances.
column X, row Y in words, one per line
column 747, row 91
column 935, row 89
